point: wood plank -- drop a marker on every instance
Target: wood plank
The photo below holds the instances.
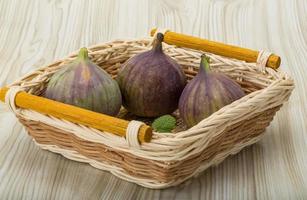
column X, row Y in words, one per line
column 35, row 33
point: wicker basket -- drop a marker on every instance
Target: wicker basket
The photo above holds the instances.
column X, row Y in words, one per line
column 170, row 158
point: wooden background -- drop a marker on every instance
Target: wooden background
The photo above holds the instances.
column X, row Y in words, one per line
column 36, row 32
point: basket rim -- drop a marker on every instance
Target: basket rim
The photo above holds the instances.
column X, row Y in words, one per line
column 283, row 82
column 32, row 74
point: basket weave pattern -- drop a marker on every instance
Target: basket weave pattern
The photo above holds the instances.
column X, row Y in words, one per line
column 170, row 158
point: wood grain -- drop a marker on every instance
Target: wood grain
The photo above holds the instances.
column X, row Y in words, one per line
column 34, row 33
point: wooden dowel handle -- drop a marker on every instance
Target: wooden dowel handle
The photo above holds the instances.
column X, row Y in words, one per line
column 218, row 48
column 76, row 115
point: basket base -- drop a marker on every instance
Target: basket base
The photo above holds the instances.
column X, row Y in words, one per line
column 157, row 174
column 149, row 183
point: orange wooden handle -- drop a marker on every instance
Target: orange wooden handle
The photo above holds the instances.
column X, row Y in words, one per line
column 218, row 48
column 76, row 115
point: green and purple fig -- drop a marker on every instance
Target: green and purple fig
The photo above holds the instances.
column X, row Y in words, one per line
column 206, row 93
column 84, row 84
column 151, row 82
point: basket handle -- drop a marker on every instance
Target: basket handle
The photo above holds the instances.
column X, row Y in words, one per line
column 218, row 48
column 76, row 115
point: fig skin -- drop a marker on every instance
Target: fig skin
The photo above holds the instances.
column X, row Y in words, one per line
column 85, row 85
column 151, row 82
column 206, row 93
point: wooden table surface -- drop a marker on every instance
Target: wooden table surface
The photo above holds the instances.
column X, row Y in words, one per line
column 36, row 32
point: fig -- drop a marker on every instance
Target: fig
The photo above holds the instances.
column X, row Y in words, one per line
column 206, row 93
column 151, row 82
column 82, row 83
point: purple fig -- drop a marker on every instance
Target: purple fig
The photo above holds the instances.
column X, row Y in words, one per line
column 84, row 84
column 206, row 93
column 151, row 82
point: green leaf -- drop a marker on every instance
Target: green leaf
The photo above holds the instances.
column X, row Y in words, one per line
column 165, row 123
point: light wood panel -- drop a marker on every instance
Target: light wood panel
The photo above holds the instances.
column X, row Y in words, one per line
column 34, row 33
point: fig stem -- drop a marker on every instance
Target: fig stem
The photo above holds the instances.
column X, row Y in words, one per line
column 205, row 63
column 157, row 43
column 83, row 54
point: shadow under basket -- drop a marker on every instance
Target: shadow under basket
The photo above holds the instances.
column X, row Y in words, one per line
column 169, row 158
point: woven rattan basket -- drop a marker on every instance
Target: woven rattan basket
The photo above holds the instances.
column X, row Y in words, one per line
column 169, row 158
